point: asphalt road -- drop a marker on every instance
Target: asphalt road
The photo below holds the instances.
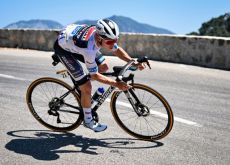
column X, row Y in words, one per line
column 199, row 97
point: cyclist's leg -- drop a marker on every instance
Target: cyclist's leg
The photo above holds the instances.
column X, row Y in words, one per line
column 76, row 70
column 101, row 62
column 83, row 80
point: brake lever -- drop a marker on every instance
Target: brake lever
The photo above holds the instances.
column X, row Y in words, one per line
column 148, row 65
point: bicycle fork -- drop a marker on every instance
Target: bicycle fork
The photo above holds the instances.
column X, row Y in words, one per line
column 135, row 104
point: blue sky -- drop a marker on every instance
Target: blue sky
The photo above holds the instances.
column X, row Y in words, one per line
column 179, row 16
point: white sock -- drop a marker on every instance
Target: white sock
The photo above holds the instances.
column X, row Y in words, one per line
column 87, row 115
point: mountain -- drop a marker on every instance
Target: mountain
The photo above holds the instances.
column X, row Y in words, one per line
column 125, row 25
column 219, row 26
column 35, row 24
column 129, row 25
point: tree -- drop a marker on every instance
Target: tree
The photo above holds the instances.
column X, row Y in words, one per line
column 219, row 26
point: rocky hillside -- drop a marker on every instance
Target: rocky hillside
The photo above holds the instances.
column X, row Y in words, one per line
column 125, row 24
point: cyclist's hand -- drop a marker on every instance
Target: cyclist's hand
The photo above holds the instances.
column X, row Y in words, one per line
column 122, row 86
column 140, row 66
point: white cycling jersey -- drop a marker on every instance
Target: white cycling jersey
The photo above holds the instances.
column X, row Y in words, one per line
column 80, row 39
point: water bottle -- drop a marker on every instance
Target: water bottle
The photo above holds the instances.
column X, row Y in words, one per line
column 98, row 93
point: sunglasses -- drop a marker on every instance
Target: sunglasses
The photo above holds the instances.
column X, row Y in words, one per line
column 110, row 42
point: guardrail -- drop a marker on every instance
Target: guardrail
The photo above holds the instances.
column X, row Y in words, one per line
column 213, row 52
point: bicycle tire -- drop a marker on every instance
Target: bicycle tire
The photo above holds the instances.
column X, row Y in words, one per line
column 56, row 85
column 167, row 116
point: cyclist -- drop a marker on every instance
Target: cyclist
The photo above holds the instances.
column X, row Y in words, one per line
column 83, row 42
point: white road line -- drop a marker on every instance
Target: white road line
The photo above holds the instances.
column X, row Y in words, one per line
column 184, row 121
column 12, row 77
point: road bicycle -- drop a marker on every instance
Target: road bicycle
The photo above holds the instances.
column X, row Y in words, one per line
column 140, row 111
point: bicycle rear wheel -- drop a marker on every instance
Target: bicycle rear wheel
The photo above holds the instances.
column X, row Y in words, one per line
column 152, row 117
column 54, row 104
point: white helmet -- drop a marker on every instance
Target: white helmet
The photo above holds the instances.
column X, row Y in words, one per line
column 107, row 29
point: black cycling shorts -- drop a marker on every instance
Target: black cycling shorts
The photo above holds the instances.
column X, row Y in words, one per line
column 71, row 62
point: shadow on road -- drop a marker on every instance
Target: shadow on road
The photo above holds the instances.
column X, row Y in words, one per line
column 47, row 145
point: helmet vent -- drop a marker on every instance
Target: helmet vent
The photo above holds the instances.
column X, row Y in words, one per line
column 107, row 32
column 114, row 32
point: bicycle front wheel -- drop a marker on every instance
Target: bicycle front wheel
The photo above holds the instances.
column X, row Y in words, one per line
column 54, row 104
column 142, row 112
